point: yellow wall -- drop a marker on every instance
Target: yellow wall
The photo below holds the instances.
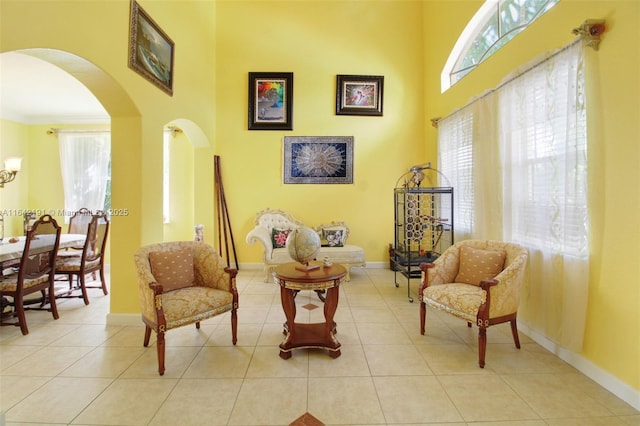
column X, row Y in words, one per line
column 218, row 43
column 14, row 194
column 316, row 41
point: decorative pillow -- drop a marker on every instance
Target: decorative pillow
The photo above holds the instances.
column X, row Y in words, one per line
column 279, row 237
column 172, row 269
column 477, row 265
column 333, row 237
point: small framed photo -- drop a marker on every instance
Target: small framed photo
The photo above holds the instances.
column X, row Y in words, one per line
column 151, row 51
column 270, row 101
column 359, row 94
column 318, row 159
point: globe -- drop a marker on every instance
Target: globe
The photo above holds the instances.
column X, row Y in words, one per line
column 303, row 244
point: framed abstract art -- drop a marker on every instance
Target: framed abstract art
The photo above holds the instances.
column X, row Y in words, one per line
column 270, row 101
column 359, row 94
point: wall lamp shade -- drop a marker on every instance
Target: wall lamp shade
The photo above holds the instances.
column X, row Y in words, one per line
column 12, row 166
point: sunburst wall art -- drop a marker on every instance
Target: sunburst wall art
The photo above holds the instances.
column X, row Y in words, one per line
column 318, row 159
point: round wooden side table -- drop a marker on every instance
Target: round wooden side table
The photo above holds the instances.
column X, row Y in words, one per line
column 291, row 279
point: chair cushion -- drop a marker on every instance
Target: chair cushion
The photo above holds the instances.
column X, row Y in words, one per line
column 73, row 263
column 279, row 237
column 192, row 304
column 10, row 283
column 461, row 300
column 477, row 265
column 172, row 269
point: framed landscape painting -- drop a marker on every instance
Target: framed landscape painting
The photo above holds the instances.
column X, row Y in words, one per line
column 359, row 94
column 151, row 51
column 318, row 159
column 270, row 101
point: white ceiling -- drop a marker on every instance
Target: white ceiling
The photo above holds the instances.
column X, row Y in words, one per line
column 33, row 91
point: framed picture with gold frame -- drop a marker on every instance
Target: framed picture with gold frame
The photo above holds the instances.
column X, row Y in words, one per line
column 151, row 51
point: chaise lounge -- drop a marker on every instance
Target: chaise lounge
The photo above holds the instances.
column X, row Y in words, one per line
column 273, row 226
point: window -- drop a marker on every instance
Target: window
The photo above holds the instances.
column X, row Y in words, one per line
column 166, row 181
column 456, row 157
column 85, row 159
column 517, row 158
column 493, row 26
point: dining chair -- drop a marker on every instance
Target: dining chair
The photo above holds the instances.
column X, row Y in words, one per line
column 78, row 224
column 90, row 261
column 36, row 272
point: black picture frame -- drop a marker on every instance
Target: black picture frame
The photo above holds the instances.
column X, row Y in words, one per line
column 318, row 159
column 151, row 51
column 359, row 94
column 270, row 101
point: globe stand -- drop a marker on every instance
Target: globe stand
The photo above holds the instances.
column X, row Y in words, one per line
column 306, row 267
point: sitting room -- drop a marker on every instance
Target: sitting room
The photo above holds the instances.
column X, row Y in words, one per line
column 200, row 100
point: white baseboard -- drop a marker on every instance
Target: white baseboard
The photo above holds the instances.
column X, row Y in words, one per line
column 622, row 390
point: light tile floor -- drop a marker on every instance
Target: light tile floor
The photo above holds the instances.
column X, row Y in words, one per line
column 77, row 370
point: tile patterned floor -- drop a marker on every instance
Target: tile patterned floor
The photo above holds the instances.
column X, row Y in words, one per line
column 79, row 371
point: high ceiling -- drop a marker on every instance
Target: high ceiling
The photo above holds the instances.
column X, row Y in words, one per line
column 33, row 91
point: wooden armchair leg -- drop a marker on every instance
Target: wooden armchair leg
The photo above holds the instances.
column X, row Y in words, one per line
column 160, row 346
column 234, row 326
column 514, row 331
column 482, row 345
column 147, row 336
column 423, row 315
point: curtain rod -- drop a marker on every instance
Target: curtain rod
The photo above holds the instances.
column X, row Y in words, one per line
column 434, row 121
column 53, row 131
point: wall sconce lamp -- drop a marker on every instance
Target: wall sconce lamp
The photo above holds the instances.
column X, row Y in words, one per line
column 12, row 167
column 590, row 32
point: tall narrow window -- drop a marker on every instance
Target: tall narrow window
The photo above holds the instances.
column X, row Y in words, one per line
column 493, row 26
column 84, row 158
column 166, row 189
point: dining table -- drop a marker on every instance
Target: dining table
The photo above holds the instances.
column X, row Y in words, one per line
column 12, row 248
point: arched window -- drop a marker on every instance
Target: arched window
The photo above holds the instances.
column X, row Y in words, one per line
column 493, row 26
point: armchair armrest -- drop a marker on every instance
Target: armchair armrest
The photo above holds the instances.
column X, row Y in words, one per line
column 505, row 295
column 261, row 235
column 443, row 270
column 211, row 271
column 148, row 289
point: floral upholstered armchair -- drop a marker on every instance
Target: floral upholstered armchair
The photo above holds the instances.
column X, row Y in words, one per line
column 181, row 283
column 478, row 281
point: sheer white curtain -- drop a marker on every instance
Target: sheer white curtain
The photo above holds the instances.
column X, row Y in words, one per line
column 544, row 144
column 517, row 160
column 469, row 156
column 84, row 159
